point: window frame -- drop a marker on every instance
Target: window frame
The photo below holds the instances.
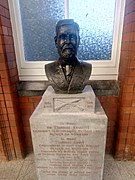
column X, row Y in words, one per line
column 34, row 70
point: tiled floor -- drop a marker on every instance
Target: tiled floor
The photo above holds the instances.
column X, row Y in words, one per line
column 25, row 169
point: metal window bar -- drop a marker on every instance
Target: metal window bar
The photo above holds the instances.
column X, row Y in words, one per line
column 66, row 8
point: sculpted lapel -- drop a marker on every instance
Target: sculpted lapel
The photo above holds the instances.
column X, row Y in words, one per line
column 77, row 79
column 59, row 76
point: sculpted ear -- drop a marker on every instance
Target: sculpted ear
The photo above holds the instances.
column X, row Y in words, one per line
column 55, row 39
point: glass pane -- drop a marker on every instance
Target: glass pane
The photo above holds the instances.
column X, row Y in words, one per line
column 95, row 18
column 39, row 18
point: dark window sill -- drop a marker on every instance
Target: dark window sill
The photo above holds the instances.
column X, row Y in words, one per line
column 37, row 88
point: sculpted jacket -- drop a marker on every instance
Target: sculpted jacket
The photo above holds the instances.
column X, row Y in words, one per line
column 79, row 79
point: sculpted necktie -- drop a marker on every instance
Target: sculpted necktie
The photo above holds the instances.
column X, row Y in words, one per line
column 68, row 72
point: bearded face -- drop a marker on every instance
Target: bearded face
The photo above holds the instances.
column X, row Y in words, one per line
column 67, row 42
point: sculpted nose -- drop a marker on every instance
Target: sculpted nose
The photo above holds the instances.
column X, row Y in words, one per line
column 67, row 39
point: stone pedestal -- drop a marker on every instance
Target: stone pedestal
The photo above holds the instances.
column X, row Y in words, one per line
column 69, row 136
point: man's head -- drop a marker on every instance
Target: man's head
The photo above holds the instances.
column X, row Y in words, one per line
column 67, row 38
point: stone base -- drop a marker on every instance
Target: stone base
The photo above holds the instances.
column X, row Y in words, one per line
column 69, row 145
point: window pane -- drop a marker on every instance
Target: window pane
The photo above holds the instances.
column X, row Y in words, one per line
column 95, row 18
column 39, row 18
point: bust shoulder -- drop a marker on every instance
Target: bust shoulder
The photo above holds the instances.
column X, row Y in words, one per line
column 87, row 67
column 85, row 64
column 51, row 67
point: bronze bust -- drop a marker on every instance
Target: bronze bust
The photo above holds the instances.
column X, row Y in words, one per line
column 68, row 74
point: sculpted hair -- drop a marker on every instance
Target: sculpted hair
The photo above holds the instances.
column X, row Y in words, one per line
column 66, row 22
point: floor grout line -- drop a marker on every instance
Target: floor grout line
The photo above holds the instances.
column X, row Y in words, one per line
column 119, row 170
column 20, row 169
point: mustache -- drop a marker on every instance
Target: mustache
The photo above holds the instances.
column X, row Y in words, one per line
column 67, row 46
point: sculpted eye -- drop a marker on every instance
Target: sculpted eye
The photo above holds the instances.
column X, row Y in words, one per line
column 72, row 37
column 62, row 36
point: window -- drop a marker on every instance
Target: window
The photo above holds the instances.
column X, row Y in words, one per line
column 100, row 24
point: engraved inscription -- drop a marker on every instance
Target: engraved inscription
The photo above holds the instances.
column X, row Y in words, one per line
column 69, row 150
column 90, row 104
column 47, row 105
column 69, row 105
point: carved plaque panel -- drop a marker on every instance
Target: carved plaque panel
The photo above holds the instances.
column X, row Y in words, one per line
column 69, row 104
